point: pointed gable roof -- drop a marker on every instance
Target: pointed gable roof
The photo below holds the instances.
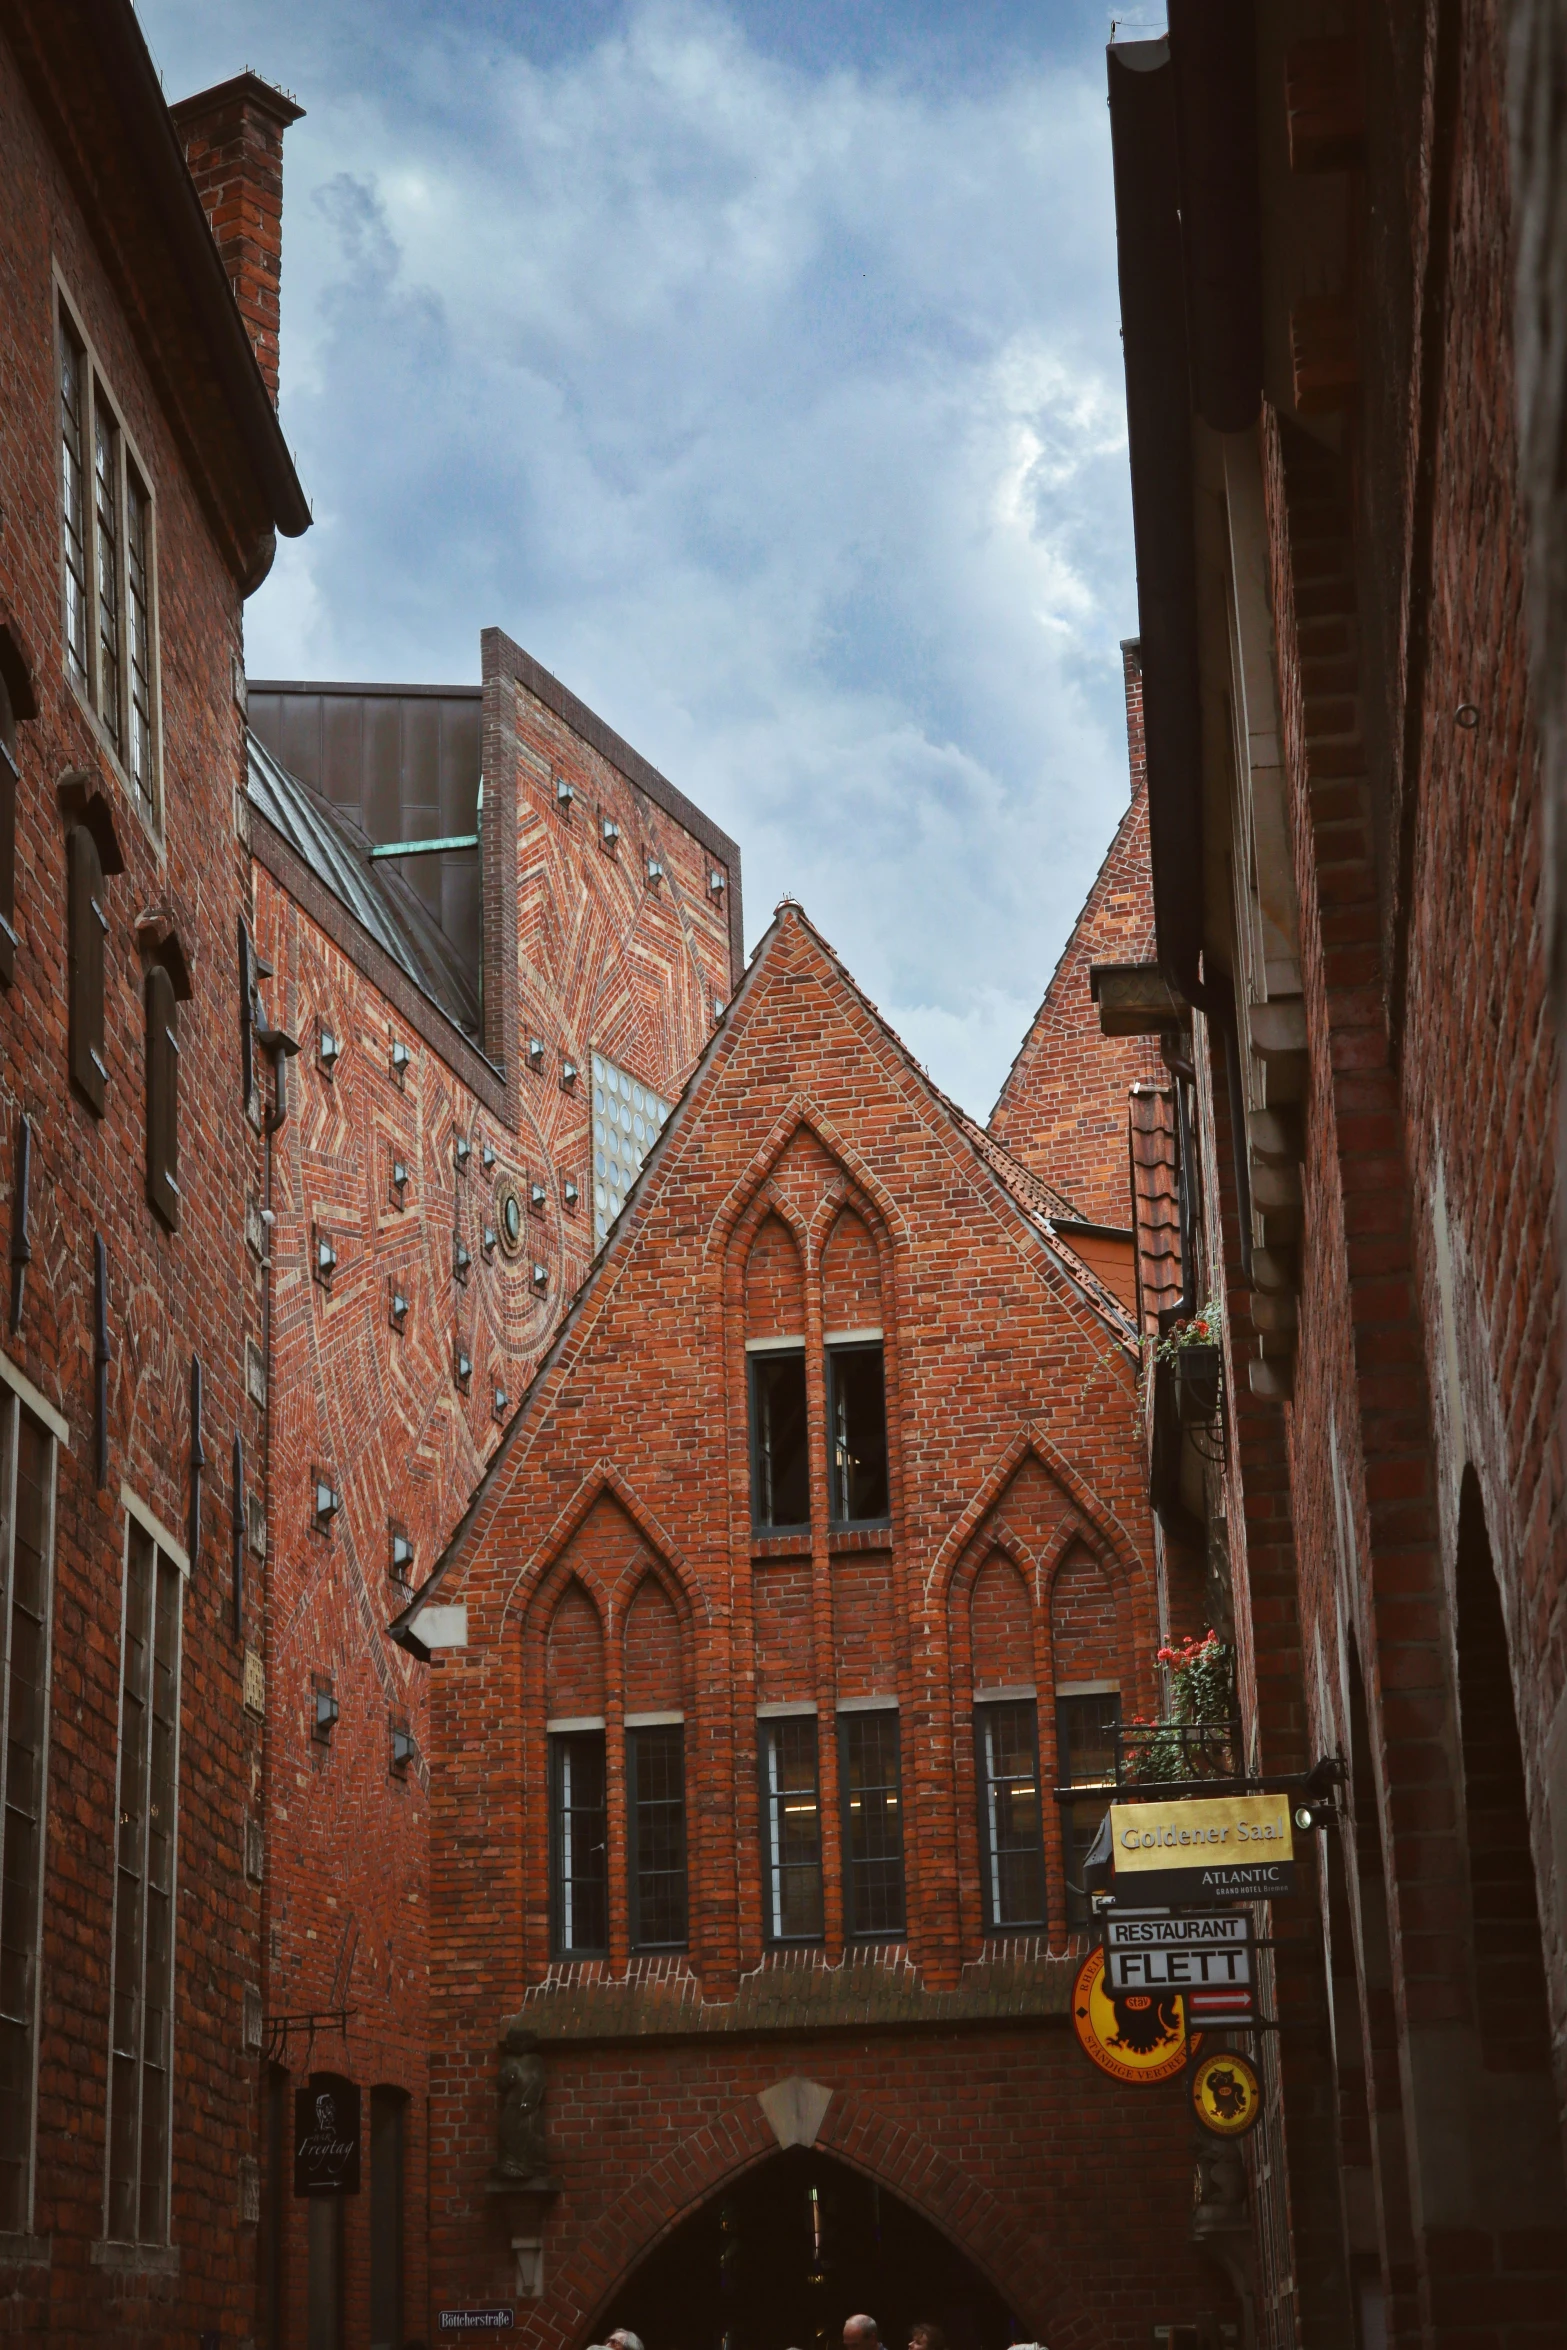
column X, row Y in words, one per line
column 1062, row 1110
column 1016, row 1193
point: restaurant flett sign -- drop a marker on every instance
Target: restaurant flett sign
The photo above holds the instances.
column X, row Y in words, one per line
column 326, row 2136
column 1210, row 1848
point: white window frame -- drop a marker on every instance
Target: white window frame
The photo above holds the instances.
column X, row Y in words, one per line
column 140, row 1518
column 95, row 392
column 17, row 1394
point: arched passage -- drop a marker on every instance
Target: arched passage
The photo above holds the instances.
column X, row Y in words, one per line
column 781, row 2255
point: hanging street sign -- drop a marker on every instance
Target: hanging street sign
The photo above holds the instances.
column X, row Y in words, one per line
column 326, row 2136
column 1136, row 2036
column 1226, row 2095
column 1206, row 1849
column 1193, row 1953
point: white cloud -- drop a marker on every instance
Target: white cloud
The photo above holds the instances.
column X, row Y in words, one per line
column 777, row 411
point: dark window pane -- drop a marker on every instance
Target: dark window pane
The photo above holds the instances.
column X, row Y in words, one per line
column 138, row 584
column 1012, row 1856
column 658, row 1835
column 25, row 1564
column 88, row 923
column 791, row 1830
column 857, row 1411
column 106, row 512
column 872, row 1824
column 1080, row 1824
column 1085, row 1757
column 780, row 1480
column 1085, row 1738
column 579, row 1830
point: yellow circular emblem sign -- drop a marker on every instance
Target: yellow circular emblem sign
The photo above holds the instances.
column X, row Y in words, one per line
column 1227, row 2094
column 1140, row 2037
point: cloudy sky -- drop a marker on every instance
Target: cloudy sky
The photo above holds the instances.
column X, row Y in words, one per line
column 754, row 364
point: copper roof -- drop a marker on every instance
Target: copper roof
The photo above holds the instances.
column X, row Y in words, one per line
column 1156, row 1202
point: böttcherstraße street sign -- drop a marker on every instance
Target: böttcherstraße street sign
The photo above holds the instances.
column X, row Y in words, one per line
column 1211, row 1848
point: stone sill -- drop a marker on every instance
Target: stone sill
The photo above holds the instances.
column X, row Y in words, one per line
column 137, row 2260
column 25, row 2251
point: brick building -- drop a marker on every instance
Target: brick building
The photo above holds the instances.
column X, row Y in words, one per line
column 826, row 1510
column 142, row 481
column 1354, row 1147
column 489, row 1036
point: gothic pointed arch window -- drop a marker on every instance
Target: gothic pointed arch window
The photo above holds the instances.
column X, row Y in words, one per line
column 655, row 1771
column 1006, row 1747
column 775, row 1380
column 578, row 1794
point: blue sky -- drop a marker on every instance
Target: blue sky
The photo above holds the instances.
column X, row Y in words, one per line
column 756, row 367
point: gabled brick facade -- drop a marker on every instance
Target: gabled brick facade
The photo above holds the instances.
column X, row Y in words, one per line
column 811, row 1185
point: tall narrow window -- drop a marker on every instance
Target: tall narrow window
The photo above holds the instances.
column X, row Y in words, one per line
column 1011, row 1853
column 10, row 777
column 163, row 1097
column 140, row 2002
column 388, row 2124
column 87, row 924
column 780, row 1477
column 324, row 2273
column 791, row 1829
column 73, row 499
column 656, row 1812
column 275, row 2207
column 579, row 1838
column 106, row 573
column 26, row 1531
column 139, row 623
column 857, row 1417
column 1086, row 1726
column 868, row 1777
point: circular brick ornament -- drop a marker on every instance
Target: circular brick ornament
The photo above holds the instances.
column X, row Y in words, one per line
column 1139, row 2039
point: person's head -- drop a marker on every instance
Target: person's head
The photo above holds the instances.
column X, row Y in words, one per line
column 623, row 2339
column 926, row 2335
column 861, row 2333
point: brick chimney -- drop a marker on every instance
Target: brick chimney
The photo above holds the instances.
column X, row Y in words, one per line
column 233, row 140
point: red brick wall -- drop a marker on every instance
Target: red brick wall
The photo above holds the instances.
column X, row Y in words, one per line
column 604, row 961
column 1062, row 1110
column 774, row 1283
column 169, row 1296
column 1011, row 1420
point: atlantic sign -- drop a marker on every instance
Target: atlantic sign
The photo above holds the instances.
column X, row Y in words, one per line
column 1217, row 1848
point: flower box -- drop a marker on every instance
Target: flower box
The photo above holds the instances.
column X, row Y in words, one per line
column 1197, row 1375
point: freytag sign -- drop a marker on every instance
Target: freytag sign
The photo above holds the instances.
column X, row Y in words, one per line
column 474, row 2321
column 1213, row 1848
column 326, row 2136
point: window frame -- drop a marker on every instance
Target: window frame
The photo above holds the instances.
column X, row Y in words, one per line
column 635, row 1732
column 849, row 1717
column 163, row 1095
column 14, row 1402
column 756, row 1353
column 990, row 1853
column 140, row 1523
column 129, row 475
column 560, row 1737
column 768, row 1728
column 837, row 1351
column 1076, row 1796
column 10, row 796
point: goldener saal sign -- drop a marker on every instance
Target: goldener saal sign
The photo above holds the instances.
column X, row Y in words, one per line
column 1213, row 1848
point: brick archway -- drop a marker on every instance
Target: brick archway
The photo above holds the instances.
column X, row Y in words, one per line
column 989, row 2233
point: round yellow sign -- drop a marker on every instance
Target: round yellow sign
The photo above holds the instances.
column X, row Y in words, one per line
column 1140, row 2037
column 1227, row 2094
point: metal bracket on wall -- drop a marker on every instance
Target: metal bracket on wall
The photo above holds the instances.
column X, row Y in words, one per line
column 278, row 2027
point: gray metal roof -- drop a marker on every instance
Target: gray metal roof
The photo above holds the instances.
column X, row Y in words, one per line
column 380, row 900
